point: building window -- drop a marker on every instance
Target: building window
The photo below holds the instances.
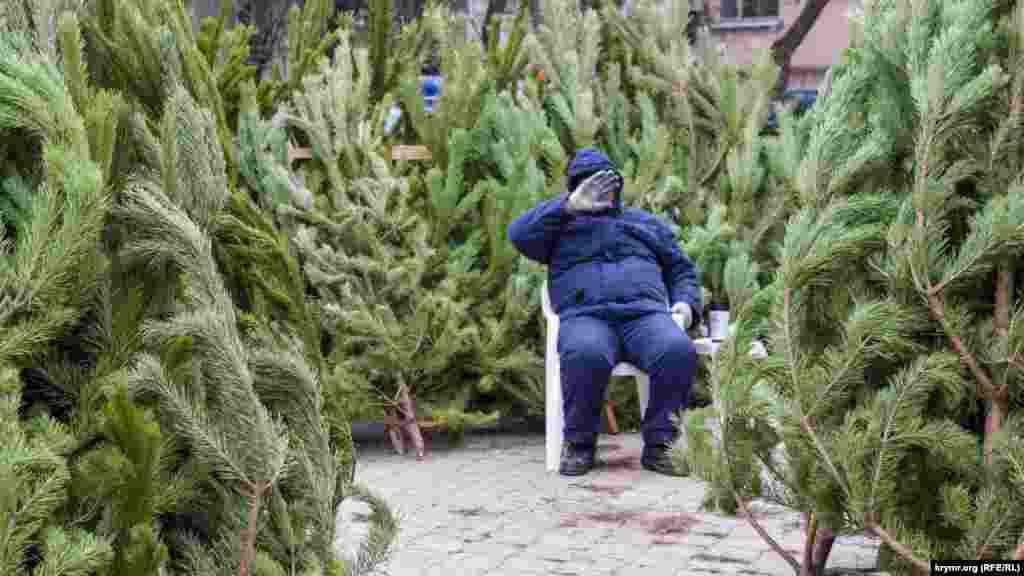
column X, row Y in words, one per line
column 742, row 9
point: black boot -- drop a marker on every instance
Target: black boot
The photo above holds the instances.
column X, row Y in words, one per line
column 655, row 458
column 577, row 459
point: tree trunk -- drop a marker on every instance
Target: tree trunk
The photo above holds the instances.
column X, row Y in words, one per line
column 408, row 423
column 810, row 534
column 998, row 408
column 998, row 402
column 247, row 551
column 785, row 46
column 817, row 547
column 775, row 546
column 493, row 7
column 536, row 14
column 822, row 548
column 395, row 431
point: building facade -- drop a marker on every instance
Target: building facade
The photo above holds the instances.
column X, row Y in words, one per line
column 747, row 26
column 742, row 26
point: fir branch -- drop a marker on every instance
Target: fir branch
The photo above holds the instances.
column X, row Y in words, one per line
column 876, row 529
column 775, row 546
column 383, row 529
column 80, row 555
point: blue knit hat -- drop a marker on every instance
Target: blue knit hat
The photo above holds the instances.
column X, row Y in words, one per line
column 587, row 162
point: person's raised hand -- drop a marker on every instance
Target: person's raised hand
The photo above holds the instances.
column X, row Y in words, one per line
column 596, row 193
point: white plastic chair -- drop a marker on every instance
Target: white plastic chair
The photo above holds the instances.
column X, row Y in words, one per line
column 554, row 419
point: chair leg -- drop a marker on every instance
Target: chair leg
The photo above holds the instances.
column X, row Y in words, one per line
column 553, row 419
column 609, row 411
column 643, row 390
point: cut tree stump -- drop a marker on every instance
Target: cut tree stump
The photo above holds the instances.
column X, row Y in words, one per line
column 402, row 418
column 298, row 153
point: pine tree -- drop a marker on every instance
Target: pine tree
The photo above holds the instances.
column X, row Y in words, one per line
column 735, row 195
column 55, row 259
column 47, row 270
column 467, row 79
column 888, row 327
column 508, row 60
column 394, row 56
column 111, row 325
column 263, row 157
column 35, row 479
column 131, row 44
column 644, row 153
column 397, row 320
column 333, row 111
column 444, row 298
column 566, row 47
column 520, row 144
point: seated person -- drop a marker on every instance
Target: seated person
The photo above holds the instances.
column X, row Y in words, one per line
column 616, row 276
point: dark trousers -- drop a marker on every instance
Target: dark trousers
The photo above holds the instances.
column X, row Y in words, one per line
column 589, row 347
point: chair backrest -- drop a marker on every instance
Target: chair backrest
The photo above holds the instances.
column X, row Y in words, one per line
column 545, row 300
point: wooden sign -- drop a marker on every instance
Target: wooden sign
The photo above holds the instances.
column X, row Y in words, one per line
column 410, row 153
column 400, row 152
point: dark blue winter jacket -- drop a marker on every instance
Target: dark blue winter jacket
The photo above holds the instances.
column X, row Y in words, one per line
column 622, row 261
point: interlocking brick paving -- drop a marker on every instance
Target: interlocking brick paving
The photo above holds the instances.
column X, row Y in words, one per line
column 490, row 508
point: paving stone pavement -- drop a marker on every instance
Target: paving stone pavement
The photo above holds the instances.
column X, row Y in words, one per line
column 490, row 507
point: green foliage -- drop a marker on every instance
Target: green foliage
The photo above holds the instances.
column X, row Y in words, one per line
column 449, row 202
column 345, row 130
column 887, row 326
column 263, row 157
column 517, row 138
column 393, row 56
column 507, row 60
column 466, row 83
column 505, row 361
column 517, row 142
column 566, row 47
column 134, row 460
column 33, row 485
column 309, row 37
column 383, row 528
column 226, row 47
column 737, row 190
column 396, row 321
column 645, row 159
column 251, row 306
column 170, row 403
column 455, row 420
column 46, row 269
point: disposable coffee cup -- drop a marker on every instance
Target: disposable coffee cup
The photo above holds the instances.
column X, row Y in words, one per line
column 718, row 322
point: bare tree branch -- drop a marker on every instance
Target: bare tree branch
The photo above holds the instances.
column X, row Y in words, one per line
column 786, row 45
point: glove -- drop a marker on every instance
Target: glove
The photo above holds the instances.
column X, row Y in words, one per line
column 683, row 310
column 596, row 193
